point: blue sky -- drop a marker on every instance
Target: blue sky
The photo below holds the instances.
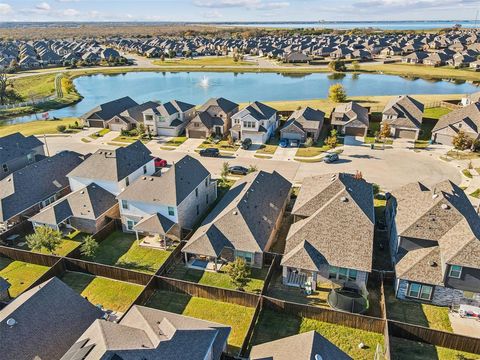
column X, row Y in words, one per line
column 235, row 10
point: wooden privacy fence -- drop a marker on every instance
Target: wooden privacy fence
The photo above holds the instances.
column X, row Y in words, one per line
column 108, row 271
column 434, row 337
column 28, row 256
column 271, row 270
column 244, row 350
column 356, row 321
column 23, row 228
column 175, row 256
column 208, row 292
column 58, row 269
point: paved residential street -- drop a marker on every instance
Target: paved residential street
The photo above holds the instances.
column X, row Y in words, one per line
column 390, row 168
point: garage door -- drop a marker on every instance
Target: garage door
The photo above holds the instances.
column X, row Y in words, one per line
column 405, row 134
column 354, row 131
column 443, row 139
column 291, row 136
column 197, row 134
column 96, row 123
column 117, row 127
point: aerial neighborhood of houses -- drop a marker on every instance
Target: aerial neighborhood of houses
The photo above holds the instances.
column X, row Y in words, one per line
column 142, row 249
column 455, row 48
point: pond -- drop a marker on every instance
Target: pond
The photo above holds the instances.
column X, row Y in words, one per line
column 197, row 87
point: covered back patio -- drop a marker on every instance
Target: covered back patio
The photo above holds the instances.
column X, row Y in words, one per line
column 157, row 232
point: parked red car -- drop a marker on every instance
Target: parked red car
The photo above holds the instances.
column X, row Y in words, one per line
column 159, row 163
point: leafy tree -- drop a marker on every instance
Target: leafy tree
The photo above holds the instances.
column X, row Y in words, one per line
column 337, row 65
column 229, row 140
column 462, row 141
column 46, row 238
column 385, row 132
column 252, row 168
column 224, row 173
column 89, row 246
column 337, row 93
column 355, row 65
column 239, row 273
column 308, row 142
column 376, row 189
column 61, row 128
column 7, row 91
column 332, row 140
column 141, row 130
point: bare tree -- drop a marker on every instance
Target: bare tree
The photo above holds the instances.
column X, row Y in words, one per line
column 6, row 85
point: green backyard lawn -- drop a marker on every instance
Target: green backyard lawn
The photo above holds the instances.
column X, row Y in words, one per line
column 401, row 349
column 436, row 112
column 111, row 294
column 219, row 279
column 274, row 325
column 435, row 317
column 236, row 316
column 122, row 250
column 20, row 274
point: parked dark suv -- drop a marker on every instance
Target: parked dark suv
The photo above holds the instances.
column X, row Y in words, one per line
column 210, row 152
column 246, row 144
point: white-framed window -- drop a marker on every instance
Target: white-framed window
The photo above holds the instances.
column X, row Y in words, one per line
column 247, row 256
column 148, row 117
column 124, row 204
column 419, row 291
column 339, row 273
column 131, row 224
column 48, row 201
column 171, row 211
column 455, row 271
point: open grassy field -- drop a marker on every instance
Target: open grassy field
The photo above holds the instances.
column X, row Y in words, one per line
column 236, row 316
column 20, row 274
column 39, row 85
column 405, row 349
column 35, row 127
column 274, row 325
column 111, row 294
column 122, row 250
column 204, row 61
column 219, row 279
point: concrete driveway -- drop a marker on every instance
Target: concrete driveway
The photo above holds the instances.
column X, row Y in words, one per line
column 353, row 140
column 285, row 154
column 189, row 146
column 250, row 153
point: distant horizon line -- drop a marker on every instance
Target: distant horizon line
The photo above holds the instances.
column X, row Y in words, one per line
column 236, row 22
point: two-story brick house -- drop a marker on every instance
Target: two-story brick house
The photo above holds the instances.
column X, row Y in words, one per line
column 168, row 119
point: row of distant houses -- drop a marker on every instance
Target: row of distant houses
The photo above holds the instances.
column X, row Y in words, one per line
column 42, row 53
column 220, row 117
column 433, row 231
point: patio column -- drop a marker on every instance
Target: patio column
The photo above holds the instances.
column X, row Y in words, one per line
column 216, row 264
column 136, row 235
column 186, row 258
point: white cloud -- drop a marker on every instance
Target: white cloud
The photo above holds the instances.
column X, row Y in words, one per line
column 247, row 4
column 214, row 14
column 5, row 9
column 70, row 12
column 44, row 6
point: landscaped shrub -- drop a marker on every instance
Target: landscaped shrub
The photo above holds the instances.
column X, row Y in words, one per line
column 61, row 128
column 309, row 142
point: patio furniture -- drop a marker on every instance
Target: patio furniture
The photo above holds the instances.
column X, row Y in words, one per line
column 469, row 311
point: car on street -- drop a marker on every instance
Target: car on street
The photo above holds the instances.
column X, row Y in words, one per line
column 210, row 152
column 331, row 157
column 283, row 143
column 238, row 170
column 246, row 143
column 159, row 163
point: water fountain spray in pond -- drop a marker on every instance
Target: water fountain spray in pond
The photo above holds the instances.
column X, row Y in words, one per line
column 205, row 82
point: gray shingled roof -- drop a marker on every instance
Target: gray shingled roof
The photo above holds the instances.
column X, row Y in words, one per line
column 155, row 224
column 245, row 217
column 351, row 113
column 339, row 226
column 308, row 118
column 27, row 187
column 208, row 120
column 16, row 145
column 109, row 109
column 259, row 111
column 470, row 114
column 87, row 203
column 113, row 165
column 299, row 347
column 146, row 333
column 172, row 187
column 49, row 319
column 409, row 112
column 442, row 215
column 224, row 104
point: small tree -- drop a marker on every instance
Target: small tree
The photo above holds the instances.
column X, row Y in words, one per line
column 252, row 168
column 225, row 171
column 337, row 93
column 61, row 128
column 239, row 273
column 337, row 65
column 385, row 132
column 462, row 141
column 44, row 238
column 308, row 142
column 229, row 140
column 141, row 129
column 89, row 246
column 355, row 65
column 332, row 140
column 376, row 189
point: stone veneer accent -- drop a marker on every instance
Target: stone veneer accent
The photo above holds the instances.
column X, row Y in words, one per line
column 442, row 296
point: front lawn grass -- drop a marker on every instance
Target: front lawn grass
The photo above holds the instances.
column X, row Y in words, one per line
column 176, row 141
column 204, row 61
column 111, row 294
column 401, row 349
column 100, row 133
column 274, row 325
column 20, row 274
column 236, row 316
column 39, row 127
column 267, row 149
column 221, row 145
column 219, row 279
column 467, row 173
column 476, row 194
column 416, row 313
column 129, row 139
column 122, row 250
column 463, row 155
